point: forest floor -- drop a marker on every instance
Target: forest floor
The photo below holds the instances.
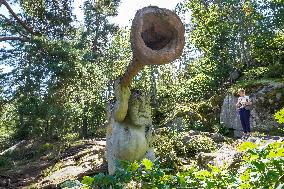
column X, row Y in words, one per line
column 37, row 165
column 34, row 164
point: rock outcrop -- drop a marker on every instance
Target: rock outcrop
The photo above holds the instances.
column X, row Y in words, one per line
column 266, row 100
column 76, row 164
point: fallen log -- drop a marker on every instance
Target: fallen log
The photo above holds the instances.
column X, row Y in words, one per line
column 12, row 148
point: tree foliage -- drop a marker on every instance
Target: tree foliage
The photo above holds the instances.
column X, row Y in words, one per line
column 57, row 82
column 63, row 69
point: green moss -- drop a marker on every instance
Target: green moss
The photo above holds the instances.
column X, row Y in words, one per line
column 252, row 86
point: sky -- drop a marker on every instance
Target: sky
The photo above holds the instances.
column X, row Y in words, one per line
column 128, row 8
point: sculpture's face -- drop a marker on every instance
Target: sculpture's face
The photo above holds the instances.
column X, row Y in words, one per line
column 139, row 109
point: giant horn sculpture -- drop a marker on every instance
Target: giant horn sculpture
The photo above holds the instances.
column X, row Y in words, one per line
column 157, row 37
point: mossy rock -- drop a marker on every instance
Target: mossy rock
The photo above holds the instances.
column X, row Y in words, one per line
column 270, row 100
column 250, row 87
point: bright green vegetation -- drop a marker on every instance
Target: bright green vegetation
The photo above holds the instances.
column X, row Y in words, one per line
column 171, row 145
column 280, row 116
column 259, row 168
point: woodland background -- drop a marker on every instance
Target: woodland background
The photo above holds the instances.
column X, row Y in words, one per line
column 62, row 73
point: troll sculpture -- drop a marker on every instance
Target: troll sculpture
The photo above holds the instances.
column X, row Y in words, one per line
column 157, row 37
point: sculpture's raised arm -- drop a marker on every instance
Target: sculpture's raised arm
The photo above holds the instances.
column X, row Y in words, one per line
column 122, row 94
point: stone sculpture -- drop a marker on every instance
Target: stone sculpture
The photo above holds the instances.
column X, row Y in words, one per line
column 157, row 37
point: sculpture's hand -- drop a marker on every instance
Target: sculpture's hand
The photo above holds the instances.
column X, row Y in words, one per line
column 122, row 94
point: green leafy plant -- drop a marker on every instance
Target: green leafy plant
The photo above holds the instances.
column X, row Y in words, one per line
column 279, row 116
column 5, row 162
column 74, row 184
column 261, row 167
column 45, row 147
column 222, row 129
column 199, row 143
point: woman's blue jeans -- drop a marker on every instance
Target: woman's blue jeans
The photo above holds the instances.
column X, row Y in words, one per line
column 245, row 115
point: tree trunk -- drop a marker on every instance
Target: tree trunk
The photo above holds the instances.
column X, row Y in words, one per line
column 85, row 122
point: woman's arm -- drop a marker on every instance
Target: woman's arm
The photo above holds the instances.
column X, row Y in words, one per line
column 238, row 103
column 248, row 102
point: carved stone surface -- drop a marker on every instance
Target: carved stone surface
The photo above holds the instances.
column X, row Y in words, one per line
column 129, row 134
column 157, row 37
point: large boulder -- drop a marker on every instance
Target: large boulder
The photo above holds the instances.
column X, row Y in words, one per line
column 266, row 100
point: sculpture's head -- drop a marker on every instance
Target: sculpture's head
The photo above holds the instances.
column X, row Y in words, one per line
column 139, row 108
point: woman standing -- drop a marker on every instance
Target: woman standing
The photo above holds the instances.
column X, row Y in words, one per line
column 244, row 103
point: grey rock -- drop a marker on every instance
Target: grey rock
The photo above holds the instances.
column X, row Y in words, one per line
column 217, row 137
column 192, row 132
column 261, row 118
column 278, row 96
column 204, row 158
column 266, row 89
column 227, row 156
column 91, row 158
column 229, row 115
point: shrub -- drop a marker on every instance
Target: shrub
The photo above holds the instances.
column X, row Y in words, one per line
column 172, row 144
column 276, row 71
column 165, row 147
column 44, row 148
column 222, row 129
column 71, row 137
column 5, row 162
column 199, row 143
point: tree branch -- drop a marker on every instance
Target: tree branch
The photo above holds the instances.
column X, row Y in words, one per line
column 4, row 16
column 12, row 24
column 14, row 38
column 29, row 29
